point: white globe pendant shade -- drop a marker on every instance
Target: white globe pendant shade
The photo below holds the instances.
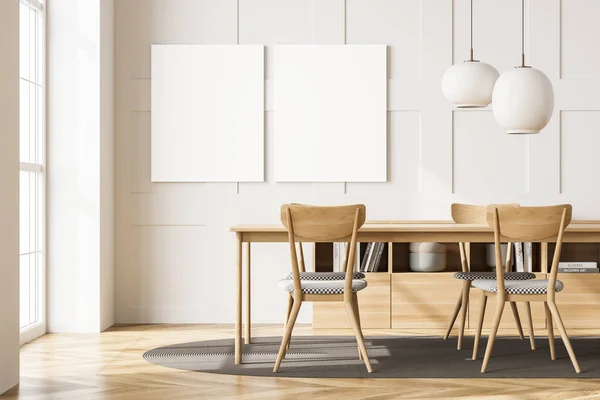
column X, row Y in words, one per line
column 469, row 84
column 523, row 100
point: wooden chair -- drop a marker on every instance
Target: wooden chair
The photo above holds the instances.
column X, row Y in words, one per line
column 475, row 214
column 316, row 276
column 323, row 224
column 526, row 224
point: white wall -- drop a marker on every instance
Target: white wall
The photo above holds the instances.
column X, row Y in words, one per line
column 174, row 255
column 80, row 165
column 9, row 194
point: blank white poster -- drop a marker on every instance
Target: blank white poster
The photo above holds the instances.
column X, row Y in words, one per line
column 207, row 113
column 330, row 113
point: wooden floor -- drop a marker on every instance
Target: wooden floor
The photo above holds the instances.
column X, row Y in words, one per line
column 110, row 366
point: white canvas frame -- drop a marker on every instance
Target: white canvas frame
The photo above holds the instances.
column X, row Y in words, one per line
column 330, row 113
column 207, row 111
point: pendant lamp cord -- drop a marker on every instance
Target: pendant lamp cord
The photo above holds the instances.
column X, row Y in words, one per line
column 522, row 33
column 471, row 53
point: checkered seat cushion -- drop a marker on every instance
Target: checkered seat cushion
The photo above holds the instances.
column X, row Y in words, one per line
column 537, row 286
column 324, row 276
column 509, row 276
column 321, row 287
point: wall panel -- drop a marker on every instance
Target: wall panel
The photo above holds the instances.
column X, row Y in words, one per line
column 394, row 23
column 487, row 160
column 161, row 255
column 579, row 32
column 579, row 153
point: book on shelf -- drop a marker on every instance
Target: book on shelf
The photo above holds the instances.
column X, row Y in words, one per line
column 580, row 264
column 579, row 270
column 377, row 250
column 339, row 255
column 519, row 257
column 528, row 256
column 584, row 267
column 336, row 257
column 374, row 249
column 371, row 257
column 378, row 258
column 367, row 255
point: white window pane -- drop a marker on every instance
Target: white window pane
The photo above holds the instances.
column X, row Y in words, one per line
column 33, row 292
column 39, row 48
column 24, row 290
column 39, row 125
column 32, row 123
column 32, row 44
column 32, row 211
column 24, row 202
column 39, row 211
column 24, row 40
column 24, row 121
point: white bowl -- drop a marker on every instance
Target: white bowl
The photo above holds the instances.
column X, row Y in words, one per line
column 426, row 247
column 427, row 262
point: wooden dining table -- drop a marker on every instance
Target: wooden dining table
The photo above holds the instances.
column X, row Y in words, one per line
column 376, row 231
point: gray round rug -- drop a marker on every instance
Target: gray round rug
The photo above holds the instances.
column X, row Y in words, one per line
column 391, row 357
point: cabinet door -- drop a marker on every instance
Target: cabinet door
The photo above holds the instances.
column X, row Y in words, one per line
column 423, row 300
column 373, row 302
column 579, row 302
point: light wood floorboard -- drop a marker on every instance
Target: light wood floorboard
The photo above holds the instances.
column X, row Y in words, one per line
column 110, row 366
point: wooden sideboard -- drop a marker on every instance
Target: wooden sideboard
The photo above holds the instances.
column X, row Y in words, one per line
column 397, row 298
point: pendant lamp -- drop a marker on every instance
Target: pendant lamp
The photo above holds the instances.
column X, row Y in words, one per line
column 470, row 83
column 523, row 97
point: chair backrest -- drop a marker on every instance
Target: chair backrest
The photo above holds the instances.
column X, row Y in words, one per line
column 468, row 213
column 323, row 223
column 474, row 214
column 530, row 224
column 307, row 223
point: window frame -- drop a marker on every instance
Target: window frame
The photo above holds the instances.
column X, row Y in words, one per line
column 38, row 328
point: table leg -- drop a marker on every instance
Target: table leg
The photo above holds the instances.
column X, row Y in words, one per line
column 238, row 311
column 247, row 323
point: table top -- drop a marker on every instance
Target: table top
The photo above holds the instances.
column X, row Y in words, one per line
column 415, row 226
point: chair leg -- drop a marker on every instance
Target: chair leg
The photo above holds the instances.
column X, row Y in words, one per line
column 358, row 333
column 515, row 311
column 479, row 324
column 357, row 313
column 287, row 334
column 463, row 312
column 530, row 322
column 287, row 315
column 563, row 334
column 550, row 332
column 494, row 331
column 453, row 319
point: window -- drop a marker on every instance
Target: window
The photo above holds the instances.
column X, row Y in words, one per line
column 32, row 154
